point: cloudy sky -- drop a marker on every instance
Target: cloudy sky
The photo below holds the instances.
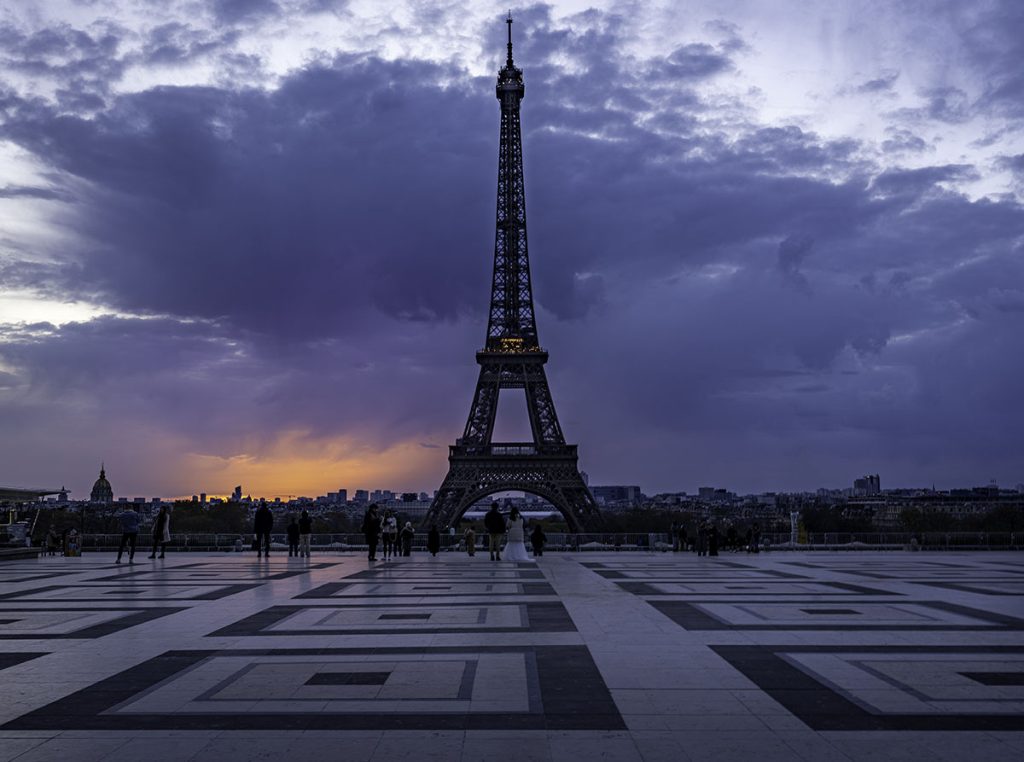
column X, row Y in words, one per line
column 776, row 244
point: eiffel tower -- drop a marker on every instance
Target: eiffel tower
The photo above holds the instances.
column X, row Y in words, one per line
column 512, row 359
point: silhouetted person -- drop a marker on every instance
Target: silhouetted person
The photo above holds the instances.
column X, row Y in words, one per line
column 537, row 540
column 433, row 540
column 713, row 540
column 681, row 537
column 757, row 537
column 161, row 531
column 406, row 536
column 470, row 537
column 262, row 525
column 52, row 542
column 371, row 530
column 389, row 531
column 129, row 534
column 702, row 539
column 731, row 538
column 305, row 531
column 293, row 538
column 673, row 533
column 494, row 523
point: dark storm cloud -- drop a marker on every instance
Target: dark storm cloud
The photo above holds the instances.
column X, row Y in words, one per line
column 880, row 84
column 240, row 10
column 903, row 141
column 63, row 51
column 176, row 43
column 318, row 255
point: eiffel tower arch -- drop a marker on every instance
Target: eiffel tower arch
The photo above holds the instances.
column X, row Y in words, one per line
column 512, row 358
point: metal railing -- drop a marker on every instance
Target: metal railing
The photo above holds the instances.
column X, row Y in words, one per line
column 590, row 542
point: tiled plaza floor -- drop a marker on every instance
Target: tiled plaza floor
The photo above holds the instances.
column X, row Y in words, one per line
column 615, row 656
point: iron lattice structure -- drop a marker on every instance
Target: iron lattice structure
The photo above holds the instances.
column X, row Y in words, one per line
column 512, row 359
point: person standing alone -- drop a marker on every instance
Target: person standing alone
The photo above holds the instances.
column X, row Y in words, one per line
column 371, row 530
column 129, row 534
column 495, row 526
column 161, row 531
column 389, row 531
column 262, row 525
column 305, row 531
column 293, row 538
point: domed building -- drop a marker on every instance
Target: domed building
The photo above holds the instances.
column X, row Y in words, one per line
column 102, row 492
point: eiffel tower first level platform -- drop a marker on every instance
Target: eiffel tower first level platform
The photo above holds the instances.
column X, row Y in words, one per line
column 512, row 359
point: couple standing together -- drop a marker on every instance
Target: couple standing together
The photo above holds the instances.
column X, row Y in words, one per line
column 515, row 528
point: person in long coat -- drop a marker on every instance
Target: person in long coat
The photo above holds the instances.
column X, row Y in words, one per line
column 371, row 530
column 537, row 539
column 161, row 531
column 262, row 525
column 433, row 540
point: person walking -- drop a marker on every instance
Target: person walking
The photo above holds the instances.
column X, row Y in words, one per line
column 673, row 533
column 681, row 537
column 293, row 538
column 389, row 531
column 262, row 525
column 470, row 538
column 129, row 534
column 406, row 536
column 433, row 540
column 713, row 540
column 371, row 530
column 495, row 526
column 52, row 542
column 161, row 531
column 305, row 532
column 757, row 538
column 701, row 545
column 537, row 540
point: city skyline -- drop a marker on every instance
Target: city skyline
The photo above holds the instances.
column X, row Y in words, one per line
column 251, row 244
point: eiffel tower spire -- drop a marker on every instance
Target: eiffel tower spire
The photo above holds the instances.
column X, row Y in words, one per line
column 512, row 358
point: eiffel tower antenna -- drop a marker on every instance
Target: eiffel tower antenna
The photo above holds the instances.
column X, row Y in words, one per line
column 508, row 62
column 512, row 358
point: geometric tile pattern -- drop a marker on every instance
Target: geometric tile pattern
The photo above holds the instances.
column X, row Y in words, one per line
column 383, row 619
column 639, row 655
column 890, row 688
column 73, row 622
column 530, row 687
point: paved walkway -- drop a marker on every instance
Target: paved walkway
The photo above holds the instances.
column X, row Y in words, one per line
column 618, row 656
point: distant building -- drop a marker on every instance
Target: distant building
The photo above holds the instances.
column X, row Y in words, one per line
column 342, row 495
column 202, row 497
column 617, row 496
column 867, row 485
column 362, row 496
column 236, row 496
column 102, row 492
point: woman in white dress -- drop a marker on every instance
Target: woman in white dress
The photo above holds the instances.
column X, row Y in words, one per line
column 515, row 548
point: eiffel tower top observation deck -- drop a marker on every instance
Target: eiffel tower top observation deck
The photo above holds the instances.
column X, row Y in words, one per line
column 512, row 359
